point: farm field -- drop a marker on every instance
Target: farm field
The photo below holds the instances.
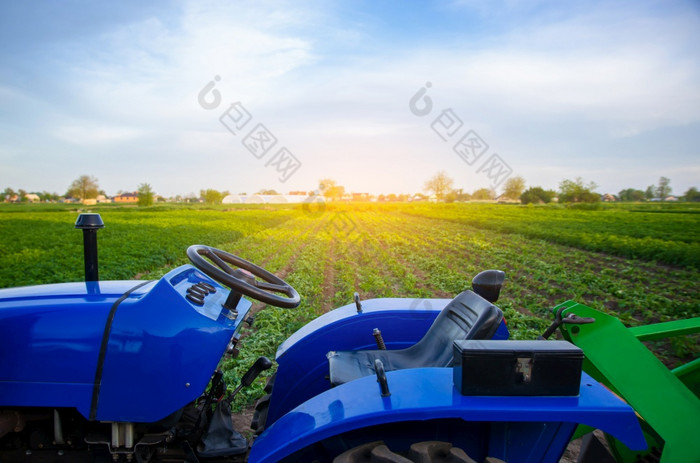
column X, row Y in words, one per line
column 638, row 262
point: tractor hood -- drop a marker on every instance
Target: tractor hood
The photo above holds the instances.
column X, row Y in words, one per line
column 91, row 290
column 114, row 350
column 50, row 338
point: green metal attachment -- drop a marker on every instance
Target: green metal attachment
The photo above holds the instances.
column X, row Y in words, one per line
column 665, row 401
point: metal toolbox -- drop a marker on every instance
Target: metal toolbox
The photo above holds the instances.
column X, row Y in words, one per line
column 517, row 368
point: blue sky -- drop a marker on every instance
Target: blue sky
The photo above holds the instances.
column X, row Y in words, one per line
column 609, row 91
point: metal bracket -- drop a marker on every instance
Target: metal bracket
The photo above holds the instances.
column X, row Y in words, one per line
column 381, row 377
column 524, row 367
column 379, row 339
column 572, row 319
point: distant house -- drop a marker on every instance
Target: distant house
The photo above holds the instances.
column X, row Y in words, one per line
column 31, row 197
column 360, row 196
column 607, row 197
column 670, row 198
column 127, row 198
column 103, row 199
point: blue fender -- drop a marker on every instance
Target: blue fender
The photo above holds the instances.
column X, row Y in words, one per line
column 514, row 429
column 302, row 364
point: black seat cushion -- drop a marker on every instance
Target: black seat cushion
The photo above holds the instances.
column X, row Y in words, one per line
column 467, row 316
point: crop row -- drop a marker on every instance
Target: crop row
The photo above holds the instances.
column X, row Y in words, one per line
column 43, row 247
column 670, row 236
column 390, row 254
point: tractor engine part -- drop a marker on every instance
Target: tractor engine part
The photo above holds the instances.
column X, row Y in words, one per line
column 260, row 365
column 89, row 224
column 379, row 339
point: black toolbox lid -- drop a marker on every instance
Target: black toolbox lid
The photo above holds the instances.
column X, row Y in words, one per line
column 517, row 348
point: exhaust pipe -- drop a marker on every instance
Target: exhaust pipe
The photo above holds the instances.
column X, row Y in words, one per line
column 89, row 224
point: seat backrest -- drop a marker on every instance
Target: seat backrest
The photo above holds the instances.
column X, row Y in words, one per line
column 467, row 316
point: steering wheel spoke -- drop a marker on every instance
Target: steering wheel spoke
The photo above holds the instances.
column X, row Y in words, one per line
column 220, row 263
column 241, row 276
column 272, row 287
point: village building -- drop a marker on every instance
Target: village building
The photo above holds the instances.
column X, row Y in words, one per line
column 127, row 198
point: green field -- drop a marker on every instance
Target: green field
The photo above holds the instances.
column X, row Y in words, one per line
column 638, row 262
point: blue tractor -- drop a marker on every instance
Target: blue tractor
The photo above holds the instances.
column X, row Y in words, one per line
column 127, row 371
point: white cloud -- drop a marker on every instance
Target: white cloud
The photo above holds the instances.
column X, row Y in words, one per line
column 158, row 69
column 93, row 134
column 589, row 65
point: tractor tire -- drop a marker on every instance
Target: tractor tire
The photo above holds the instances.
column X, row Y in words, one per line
column 420, row 452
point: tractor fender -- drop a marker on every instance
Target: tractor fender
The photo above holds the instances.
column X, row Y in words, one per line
column 301, row 359
column 514, row 426
column 302, row 364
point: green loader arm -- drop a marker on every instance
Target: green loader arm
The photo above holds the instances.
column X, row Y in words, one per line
column 665, row 400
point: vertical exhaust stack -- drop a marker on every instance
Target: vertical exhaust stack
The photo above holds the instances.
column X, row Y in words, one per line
column 89, row 224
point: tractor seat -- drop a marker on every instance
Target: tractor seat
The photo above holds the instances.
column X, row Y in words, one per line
column 467, row 316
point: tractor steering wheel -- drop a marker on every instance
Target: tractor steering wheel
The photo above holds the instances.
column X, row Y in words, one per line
column 240, row 275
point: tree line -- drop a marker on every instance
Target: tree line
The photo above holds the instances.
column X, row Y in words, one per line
column 440, row 185
column 570, row 191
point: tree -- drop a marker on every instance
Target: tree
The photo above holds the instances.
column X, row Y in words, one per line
column 630, row 194
column 458, row 195
column 440, row 184
column 8, row 193
column 574, row 191
column 145, row 194
column 330, row 189
column 325, row 183
column 664, row 188
column 211, row 196
column 514, row 187
column 483, row 194
column 46, row 196
column 22, row 195
column 692, row 194
column 537, row 195
column 649, row 193
column 84, row 187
